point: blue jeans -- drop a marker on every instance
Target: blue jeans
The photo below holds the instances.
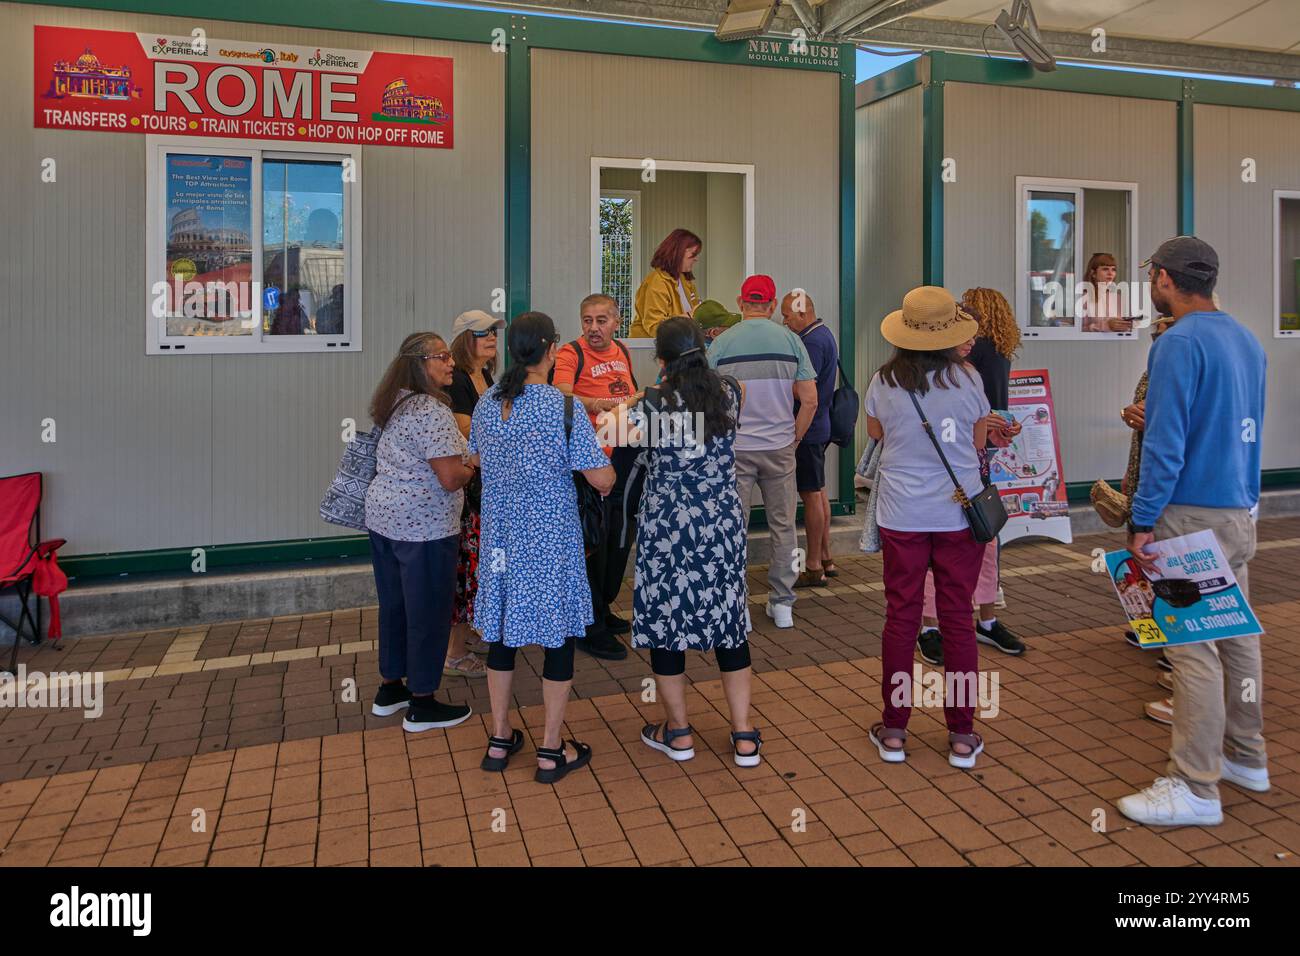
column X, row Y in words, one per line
column 416, row 581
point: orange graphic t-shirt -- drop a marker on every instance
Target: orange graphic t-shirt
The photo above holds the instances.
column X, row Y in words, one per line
column 605, row 374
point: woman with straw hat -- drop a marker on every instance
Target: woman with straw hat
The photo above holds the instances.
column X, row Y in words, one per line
column 921, row 524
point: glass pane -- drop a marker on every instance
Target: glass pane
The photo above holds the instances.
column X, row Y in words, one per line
column 1107, row 299
column 1051, row 259
column 1288, row 267
column 302, row 247
column 209, row 246
column 617, row 225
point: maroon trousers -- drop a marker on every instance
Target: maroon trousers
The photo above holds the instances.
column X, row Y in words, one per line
column 955, row 558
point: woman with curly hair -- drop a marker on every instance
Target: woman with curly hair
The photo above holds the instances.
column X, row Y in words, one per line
column 996, row 344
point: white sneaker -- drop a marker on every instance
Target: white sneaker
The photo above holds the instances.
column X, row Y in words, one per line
column 782, row 614
column 1170, row 803
column 1248, row 778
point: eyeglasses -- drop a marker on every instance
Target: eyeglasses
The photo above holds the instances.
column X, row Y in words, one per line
column 439, row 356
column 483, row 334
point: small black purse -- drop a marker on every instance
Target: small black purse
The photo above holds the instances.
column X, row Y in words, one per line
column 985, row 512
column 591, row 506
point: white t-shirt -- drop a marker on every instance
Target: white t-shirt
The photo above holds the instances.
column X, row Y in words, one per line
column 915, row 490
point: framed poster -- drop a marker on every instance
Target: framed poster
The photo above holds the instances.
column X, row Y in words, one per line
column 1028, row 473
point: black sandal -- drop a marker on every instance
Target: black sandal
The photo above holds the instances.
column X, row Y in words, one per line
column 562, row 762
column 747, row 760
column 510, row 746
column 666, row 746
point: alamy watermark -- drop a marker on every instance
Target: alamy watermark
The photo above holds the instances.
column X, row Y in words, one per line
column 946, row 689
column 656, row 429
column 37, row 690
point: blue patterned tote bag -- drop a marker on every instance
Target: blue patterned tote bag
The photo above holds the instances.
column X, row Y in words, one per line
column 345, row 499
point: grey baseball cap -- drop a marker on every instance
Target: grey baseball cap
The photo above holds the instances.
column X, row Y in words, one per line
column 1188, row 255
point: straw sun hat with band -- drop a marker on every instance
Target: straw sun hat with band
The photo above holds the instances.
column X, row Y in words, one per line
column 929, row 321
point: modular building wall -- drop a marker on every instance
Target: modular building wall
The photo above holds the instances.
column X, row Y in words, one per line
column 180, row 451
column 890, row 138
column 996, row 133
column 785, row 123
column 1235, row 214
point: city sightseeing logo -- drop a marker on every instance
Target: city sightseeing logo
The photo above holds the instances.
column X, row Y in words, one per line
column 266, row 55
column 332, row 60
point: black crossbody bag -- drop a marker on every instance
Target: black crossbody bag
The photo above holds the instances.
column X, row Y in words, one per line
column 984, row 513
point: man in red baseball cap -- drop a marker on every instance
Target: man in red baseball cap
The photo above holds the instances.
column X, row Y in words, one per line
column 775, row 368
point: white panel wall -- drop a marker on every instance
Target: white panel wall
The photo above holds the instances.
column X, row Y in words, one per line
column 182, row 451
column 998, row 133
column 1236, row 217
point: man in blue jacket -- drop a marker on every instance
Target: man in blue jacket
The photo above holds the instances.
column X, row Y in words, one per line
column 1200, row 470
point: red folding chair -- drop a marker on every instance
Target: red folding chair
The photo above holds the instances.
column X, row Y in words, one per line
column 27, row 564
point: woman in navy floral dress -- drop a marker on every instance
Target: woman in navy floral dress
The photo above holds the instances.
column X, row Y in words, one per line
column 690, row 547
column 532, row 572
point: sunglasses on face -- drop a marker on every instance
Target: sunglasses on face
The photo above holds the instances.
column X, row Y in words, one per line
column 483, row 334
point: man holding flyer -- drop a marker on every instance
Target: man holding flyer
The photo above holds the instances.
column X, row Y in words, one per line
column 1200, row 471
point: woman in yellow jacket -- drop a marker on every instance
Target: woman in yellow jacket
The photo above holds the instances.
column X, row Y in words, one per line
column 669, row 289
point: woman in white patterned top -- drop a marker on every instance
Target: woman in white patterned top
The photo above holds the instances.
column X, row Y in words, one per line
column 413, row 514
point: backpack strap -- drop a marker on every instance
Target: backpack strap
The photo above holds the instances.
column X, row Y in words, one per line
column 576, row 345
column 627, row 355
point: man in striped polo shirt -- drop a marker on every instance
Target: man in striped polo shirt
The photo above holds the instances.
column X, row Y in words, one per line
column 775, row 368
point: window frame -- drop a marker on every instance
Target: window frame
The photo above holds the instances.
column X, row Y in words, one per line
column 1024, row 186
column 1278, row 331
column 635, row 196
column 745, row 170
column 157, row 341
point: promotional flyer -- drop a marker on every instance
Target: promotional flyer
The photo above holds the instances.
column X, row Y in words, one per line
column 1193, row 597
column 1028, row 473
column 113, row 81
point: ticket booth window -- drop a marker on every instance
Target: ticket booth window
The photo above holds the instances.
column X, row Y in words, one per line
column 636, row 203
column 1286, row 263
column 252, row 249
column 1062, row 227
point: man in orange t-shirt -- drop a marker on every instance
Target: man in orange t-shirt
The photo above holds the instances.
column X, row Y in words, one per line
column 597, row 371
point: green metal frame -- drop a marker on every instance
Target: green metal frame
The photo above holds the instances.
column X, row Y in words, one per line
column 524, row 32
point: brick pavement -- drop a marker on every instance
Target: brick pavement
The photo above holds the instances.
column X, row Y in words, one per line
column 245, row 722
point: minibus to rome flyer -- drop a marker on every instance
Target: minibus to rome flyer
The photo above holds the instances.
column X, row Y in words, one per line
column 1193, row 597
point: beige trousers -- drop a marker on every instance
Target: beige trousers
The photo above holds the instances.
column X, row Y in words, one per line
column 773, row 472
column 1218, row 685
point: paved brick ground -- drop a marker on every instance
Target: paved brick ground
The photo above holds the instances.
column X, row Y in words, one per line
column 245, row 722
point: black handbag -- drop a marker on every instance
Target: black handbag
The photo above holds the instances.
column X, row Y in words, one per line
column 844, row 410
column 591, row 505
column 985, row 512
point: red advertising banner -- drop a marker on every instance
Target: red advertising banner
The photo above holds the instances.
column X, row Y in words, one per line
column 1028, row 472
column 113, row 81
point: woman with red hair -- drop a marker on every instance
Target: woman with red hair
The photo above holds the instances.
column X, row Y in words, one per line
column 669, row 289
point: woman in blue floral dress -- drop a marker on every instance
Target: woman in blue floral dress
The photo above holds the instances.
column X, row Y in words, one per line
column 532, row 572
column 690, row 547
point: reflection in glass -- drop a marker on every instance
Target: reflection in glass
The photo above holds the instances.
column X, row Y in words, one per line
column 302, row 254
column 1051, row 259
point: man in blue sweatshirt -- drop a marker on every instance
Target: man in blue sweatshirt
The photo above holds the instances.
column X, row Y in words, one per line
column 1200, row 470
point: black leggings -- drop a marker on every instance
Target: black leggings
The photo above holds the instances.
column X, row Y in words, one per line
column 558, row 665
column 671, row 663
